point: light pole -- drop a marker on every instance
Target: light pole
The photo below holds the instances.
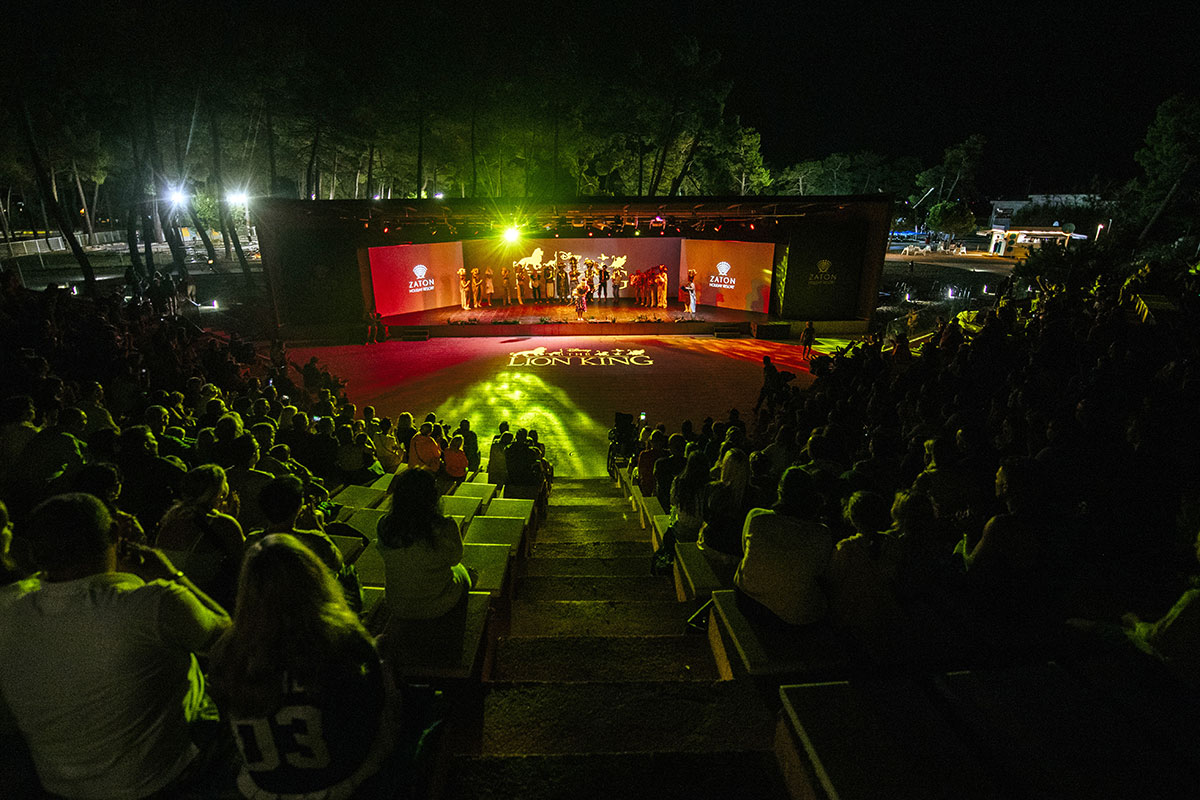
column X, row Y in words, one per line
column 243, row 200
column 1099, row 227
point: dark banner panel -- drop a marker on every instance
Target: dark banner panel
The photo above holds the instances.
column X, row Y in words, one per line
column 729, row 274
column 415, row 277
column 824, row 269
column 314, row 280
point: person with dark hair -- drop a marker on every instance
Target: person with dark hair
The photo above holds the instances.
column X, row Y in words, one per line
column 470, row 443
column 103, row 481
column 644, row 468
column 786, row 556
column 455, row 462
column 497, row 462
column 201, row 532
column 727, row 502
column 864, row 567
column 53, row 456
column 97, row 666
column 523, row 468
column 246, row 480
column 422, row 550
column 667, row 467
column 151, row 481
column 301, row 683
column 423, row 451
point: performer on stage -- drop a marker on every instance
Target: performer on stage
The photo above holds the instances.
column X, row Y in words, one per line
column 690, row 288
column 660, row 285
column 602, row 289
column 464, row 289
column 582, row 290
column 476, row 288
column 489, row 288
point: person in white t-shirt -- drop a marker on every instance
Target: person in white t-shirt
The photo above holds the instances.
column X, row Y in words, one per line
column 97, row 666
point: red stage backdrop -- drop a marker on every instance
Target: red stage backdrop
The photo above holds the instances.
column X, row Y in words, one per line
column 415, row 277
column 729, row 274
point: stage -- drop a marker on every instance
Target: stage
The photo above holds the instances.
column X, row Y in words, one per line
column 551, row 318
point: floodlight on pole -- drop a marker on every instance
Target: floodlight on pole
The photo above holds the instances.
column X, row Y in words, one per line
column 178, row 198
column 238, row 198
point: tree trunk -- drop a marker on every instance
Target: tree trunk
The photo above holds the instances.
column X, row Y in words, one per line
column 222, row 203
column 333, row 177
column 554, row 173
column 202, row 229
column 310, row 193
column 45, row 220
column 163, row 216
column 87, row 214
column 677, row 184
column 43, row 181
column 272, row 178
column 1166, row 201
column 4, row 222
column 641, row 145
column 370, row 171
column 135, row 258
column 357, row 178
column 420, row 152
column 148, row 244
column 474, row 158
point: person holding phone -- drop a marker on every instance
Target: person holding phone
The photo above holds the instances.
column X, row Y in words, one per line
column 98, row 661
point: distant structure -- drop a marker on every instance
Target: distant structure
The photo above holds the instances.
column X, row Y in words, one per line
column 1004, row 210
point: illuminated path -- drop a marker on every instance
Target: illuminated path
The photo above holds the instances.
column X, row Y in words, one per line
column 565, row 387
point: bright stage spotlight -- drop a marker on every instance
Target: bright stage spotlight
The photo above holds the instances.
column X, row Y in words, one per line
column 512, row 234
column 238, row 198
column 178, row 198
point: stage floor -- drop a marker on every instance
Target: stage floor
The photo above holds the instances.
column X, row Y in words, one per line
column 568, row 388
column 620, row 311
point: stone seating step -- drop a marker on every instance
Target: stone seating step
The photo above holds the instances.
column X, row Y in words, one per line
column 594, row 658
column 630, row 776
column 595, row 587
column 599, row 549
column 633, row 566
column 622, row 717
column 597, row 618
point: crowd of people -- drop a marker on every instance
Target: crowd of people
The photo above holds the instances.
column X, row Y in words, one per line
column 1029, row 488
column 174, row 613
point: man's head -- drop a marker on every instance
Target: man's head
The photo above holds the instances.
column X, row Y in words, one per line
column 73, row 534
column 72, row 420
column 156, row 419
column 281, row 500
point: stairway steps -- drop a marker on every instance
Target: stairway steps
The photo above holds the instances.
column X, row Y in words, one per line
column 630, row 566
column 595, row 587
column 598, row 549
column 623, row 717
column 584, row 659
column 597, row 618
column 628, row 776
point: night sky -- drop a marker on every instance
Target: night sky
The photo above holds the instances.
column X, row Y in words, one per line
column 1063, row 94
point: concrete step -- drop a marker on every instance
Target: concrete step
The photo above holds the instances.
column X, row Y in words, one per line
column 597, row 618
column 594, row 549
column 633, row 566
column 595, row 587
column 584, row 659
column 616, row 717
column 628, row 776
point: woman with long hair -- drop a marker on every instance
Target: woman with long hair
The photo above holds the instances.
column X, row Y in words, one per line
column 200, row 532
column 422, row 550
column 687, row 497
column 300, row 681
column 726, row 504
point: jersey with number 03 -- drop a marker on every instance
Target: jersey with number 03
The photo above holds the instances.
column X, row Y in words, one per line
column 321, row 733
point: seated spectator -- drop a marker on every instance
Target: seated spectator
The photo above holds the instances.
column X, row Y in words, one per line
column 423, row 451
column 455, row 462
column 10, row 571
column 422, row 550
column 54, row 455
column 157, row 419
column 356, row 460
column 120, row 725
column 17, row 414
column 264, row 434
column 98, row 415
column 246, row 480
column 497, row 466
column 297, row 676
column 780, row 579
column 1175, row 637
column 404, row 430
column 103, row 481
column 726, row 503
column 387, row 449
column 864, row 567
column 644, row 471
column 950, row 487
column 688, row 492
column 667, row 467
column 151, row 481
column 290, row 512
column 522, row 463
column 470, row 443
column 201, row 532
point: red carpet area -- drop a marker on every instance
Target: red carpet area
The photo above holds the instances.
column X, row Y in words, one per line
column 566, row 387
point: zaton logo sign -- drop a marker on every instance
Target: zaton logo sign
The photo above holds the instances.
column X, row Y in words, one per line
column 421, row 284
column 579, row 357
column 722, row 281
column 823, row 276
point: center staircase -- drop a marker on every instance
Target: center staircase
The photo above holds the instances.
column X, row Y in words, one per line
column 596, row 690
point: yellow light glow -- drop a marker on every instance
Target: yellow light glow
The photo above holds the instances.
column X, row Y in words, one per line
column 512, row 234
